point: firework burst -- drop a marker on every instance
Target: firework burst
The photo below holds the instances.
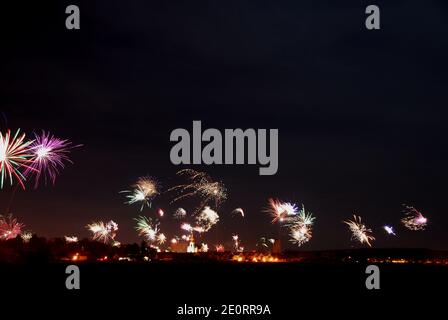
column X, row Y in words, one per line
column 281, row 211
column 71, row 239
column 207, row 218
column 359, row 231
column 414, row 219
column 148, row 229
column 10, row 228
column 301, row 227
column 201, row 185
column 180, row 213
column 26, row 236
column 104, row 232
column 14, row 156
column 49, row 157
column 143, row 191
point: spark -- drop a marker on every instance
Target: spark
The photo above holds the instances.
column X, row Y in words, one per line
column 201, row 185
column 144, row 191
column 14, row 156
column 238, row 211
column 9, row 227
column 359, row 231
column 414, row 219
column 49, row 157
column 71, row 239
column 147, row 228
column 103, row 232
column 207, row 218
column 180, row 213
column 389, row 230
column 161, row 213
column 280, row 211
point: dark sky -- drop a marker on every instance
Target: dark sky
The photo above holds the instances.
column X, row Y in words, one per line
column 361, row 114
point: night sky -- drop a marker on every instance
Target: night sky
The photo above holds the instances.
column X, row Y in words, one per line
column 361, row 114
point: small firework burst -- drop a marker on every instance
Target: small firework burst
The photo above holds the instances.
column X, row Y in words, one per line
column 49, row 157
column 71, row 239
column 26, row 236
column 104, row 232
column 147, row 228
column 281, row 211
column 201, row 185
column 219, row 248
column 180, row 213
column 204, row 247
column 161, row 238
column 238, row 212
column 15, row 155
column 187, row 227
column 359, row 231
column 301, row 227
column 10, row 228
column 143, row 191
column 390, row 230
column 207, row 218
column 414, row 219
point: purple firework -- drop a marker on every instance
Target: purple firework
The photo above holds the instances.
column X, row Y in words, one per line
column 49, row 155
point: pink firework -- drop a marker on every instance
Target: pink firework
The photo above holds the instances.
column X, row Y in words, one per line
column 414, row 219
column 9, row 228
column 49, row 157
column 14, row 157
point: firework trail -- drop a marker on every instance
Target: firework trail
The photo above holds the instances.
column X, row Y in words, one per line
column 301, row 227
column 414, row 219
column 359, row 231
column 180, row 213
column 201, row 185
column 147, row 228
column 239, row 212
column 71, row 239
column 144, row 191
column 390, row 230
column 9, row 227
column 207, row 218
column 103, row 232
column 14, row 156
column 49, row 157
column 26, row 236
column 281, row 211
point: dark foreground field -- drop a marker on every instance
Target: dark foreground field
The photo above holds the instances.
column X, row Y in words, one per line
column 160, row 288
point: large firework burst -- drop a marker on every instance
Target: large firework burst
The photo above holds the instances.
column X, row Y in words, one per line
column 10, row 228
column 414, row 219
column 201, row 185
column 104, row 232
column 14, row 158
column 143, row 191
column 49, row 157
column 359, row 231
